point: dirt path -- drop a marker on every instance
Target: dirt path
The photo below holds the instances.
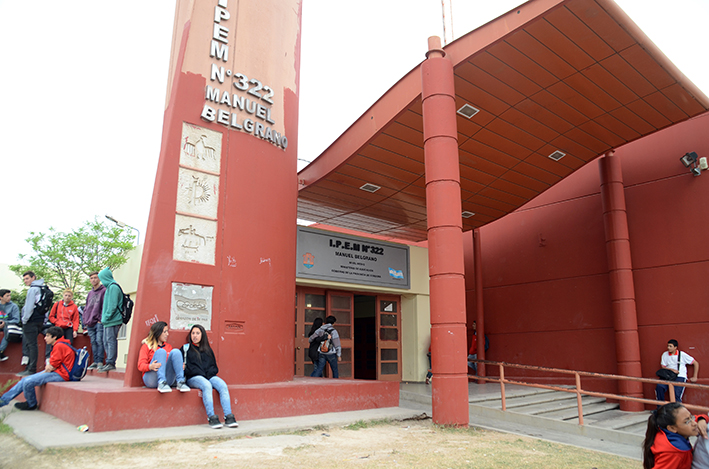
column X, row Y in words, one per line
column 390, row 444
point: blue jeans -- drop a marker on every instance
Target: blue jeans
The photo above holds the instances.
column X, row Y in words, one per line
column 110, row 343
column 331, row 358
column 661, row 389
column 3, row 342
column 471, row 364
column 96, row 336
column 27, row 385
column 206, row 385
column 170, row 369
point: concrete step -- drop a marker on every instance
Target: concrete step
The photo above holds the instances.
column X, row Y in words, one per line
column 527, row 400
column 563, row 401
column 571, row 414
column 513, row 394
column 631, row 422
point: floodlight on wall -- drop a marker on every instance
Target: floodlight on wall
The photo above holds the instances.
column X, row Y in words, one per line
column 695, row 163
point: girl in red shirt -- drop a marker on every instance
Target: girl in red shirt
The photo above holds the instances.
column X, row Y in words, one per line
column 161, row 365
column 666, row 444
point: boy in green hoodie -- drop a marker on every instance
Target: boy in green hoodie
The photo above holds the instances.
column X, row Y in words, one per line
column 111, row 318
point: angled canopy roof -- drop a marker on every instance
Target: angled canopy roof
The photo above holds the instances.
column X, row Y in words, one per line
column 574, row 76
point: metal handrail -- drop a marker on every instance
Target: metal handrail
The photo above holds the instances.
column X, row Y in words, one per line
column 578, row 390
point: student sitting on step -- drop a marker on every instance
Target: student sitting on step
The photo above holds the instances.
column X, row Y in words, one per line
column 201, row 371
column 160, row 364
column 61, row 362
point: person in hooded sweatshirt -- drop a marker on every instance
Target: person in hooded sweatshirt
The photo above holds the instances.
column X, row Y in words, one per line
column 32, row 321
column 111, row 318
column 60, row 364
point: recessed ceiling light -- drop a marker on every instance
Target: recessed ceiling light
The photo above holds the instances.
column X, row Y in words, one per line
column 467, row 214
column 468, row 111
column 557, row 155
column 370, row 187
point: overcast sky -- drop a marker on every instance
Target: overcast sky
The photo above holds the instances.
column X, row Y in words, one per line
column 82, row 90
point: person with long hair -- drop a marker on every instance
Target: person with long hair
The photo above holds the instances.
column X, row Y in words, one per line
column 666, row 444
column 313, row 353
column 160, row 364
column 201, row 372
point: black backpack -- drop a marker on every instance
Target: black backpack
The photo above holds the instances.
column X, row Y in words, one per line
column 326, row 345
column 45, row 302
column 126, row 307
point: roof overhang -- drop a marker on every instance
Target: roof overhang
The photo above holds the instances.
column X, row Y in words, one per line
column 570, row 76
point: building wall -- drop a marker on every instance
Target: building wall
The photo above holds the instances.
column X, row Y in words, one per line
column 546, row 291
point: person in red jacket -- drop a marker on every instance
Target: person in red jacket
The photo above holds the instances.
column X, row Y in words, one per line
column 60, row 364
column 666, row 444
column 160, row 364
column 65, row 314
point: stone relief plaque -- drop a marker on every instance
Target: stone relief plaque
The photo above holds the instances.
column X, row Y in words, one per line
column 200, row 148
column 191, row 304
column 197, row 193
column 195, row 240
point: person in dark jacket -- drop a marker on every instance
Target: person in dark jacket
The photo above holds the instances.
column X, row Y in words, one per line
column 313, row 353
column 201, row 373
column 111, row 318
column 92, row 319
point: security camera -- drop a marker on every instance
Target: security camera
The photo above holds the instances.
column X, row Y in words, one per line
column 696, row 172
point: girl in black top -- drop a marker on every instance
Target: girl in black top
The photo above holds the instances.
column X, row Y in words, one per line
column 201, row 373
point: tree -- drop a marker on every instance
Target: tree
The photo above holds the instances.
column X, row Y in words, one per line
column 65, row 260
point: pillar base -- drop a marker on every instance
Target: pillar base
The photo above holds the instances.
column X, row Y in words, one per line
column 450, row 400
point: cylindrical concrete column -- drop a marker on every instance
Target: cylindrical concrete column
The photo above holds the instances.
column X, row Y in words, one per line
column 479, row 306
column 445, row 239
column 620, row 269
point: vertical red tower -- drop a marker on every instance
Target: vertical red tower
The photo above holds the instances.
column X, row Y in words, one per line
column 221, row 235
column 445, row 239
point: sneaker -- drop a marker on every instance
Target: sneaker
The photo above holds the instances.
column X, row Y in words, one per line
column 3, row 357
column 25, row 373
column 163, row 387
column 25, row 406
column 214, row 422
column 230, row 421
column 94, row 366
column 106, row 368
column 182, row 387
column 25, row 360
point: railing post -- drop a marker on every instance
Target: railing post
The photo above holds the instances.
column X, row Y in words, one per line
column 671, row 391
column 578, row 397
column 502, row 387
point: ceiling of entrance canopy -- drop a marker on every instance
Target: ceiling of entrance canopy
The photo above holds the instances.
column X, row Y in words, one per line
column 575, row 76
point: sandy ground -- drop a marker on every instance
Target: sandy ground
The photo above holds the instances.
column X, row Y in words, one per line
column 384, row 444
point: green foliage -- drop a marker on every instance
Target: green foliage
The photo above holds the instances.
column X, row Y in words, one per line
column 18, row 297
column 64, row 260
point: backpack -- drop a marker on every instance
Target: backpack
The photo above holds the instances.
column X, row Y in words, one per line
column 81, row 363
column 326, row 344
column 126, row 307
column 45, row 302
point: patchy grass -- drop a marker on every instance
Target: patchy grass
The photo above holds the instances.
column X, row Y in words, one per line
column 360, row 424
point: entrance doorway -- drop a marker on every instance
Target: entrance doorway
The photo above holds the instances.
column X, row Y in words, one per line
column 369, row 327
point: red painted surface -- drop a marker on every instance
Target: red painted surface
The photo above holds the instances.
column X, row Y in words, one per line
column 105, row 405
column 620, row 265
column 253, row 276
column 445, row 242
column 545, row 272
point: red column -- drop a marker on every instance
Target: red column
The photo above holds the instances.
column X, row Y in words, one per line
column 620, row 270
column 480, row 310
column 445, row 239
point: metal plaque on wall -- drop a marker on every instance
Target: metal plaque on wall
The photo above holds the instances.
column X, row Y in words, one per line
column 326, row 255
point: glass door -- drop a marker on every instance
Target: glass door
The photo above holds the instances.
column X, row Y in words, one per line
column 341, row 305
column 310, row 303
